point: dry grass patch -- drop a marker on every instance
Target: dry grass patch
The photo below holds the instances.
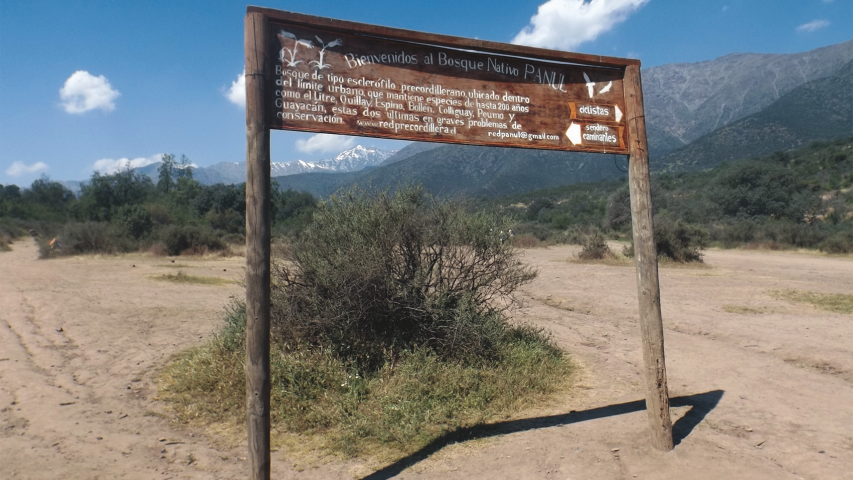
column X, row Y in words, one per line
column 832, row 302
column 744, row 310
column 612, row 261
column 183, row 278
column 321, row 402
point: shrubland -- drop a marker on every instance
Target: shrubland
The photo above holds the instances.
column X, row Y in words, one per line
column 796, row 199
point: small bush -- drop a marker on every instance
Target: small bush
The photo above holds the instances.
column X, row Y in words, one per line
column 676, row 240
column 839, row 243
column 618, row 215
column 526, row 241
column 679, row 241
column 595, row 247
column 177, row 239
column 375, row 274
column 8, row 234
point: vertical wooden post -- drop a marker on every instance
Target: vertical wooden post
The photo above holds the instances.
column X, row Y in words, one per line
column 257, row 247
column 645, row 258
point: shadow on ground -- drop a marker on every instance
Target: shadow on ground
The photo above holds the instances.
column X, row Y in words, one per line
column 701, row 404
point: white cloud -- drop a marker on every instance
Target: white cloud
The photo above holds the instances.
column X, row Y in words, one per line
column 108, row 166
column 20, row 168
column 237, row 93
column 325, row 142
column 565, row 24
column 83, row 92
column 812, row 26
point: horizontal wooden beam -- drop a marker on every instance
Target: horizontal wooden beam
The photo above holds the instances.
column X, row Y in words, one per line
column 415, row 36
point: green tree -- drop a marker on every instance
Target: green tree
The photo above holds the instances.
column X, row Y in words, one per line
column 753, row 189
column 166, row 173
column 184, row 168
column 104, row 194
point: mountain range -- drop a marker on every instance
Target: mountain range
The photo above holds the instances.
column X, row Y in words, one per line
column 698, row 115
column 685, row 101
column 818, row 110
column 354, row 159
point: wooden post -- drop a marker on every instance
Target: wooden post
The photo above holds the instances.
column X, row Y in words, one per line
column 645, row 258
column 257, row 247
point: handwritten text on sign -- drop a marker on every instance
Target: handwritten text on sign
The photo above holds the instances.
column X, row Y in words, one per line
column 333, row 82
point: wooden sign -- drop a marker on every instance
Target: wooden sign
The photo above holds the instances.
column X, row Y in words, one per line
column 340, row 81
column 318, row 74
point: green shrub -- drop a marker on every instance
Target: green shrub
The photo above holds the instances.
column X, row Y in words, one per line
column 752, row 189
column 537, row 206
column 160, row 214
column 595, row 246
column 841, row 242
column 134, row 220
column 533, row 229
column 618, row 214
column 375, row 274
column 10, row 230
column 87, row 238
column 676, row 240
column 228, row 220
column 177, row 239
column 234, row 238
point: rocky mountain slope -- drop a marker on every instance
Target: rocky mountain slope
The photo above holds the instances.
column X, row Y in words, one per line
column 684, row 101
column 818, row 110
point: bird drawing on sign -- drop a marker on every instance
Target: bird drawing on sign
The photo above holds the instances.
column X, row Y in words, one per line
column 319, row 64
column 292, row 62
column 590, row 85
column 606, row 88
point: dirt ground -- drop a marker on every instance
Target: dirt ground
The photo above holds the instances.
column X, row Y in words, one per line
column 761, row 395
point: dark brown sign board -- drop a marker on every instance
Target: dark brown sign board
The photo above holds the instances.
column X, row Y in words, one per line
column 317, row 74
column 350, row 80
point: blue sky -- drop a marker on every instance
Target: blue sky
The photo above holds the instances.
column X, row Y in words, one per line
column 153, row 77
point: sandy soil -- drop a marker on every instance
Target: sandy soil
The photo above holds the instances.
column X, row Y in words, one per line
column 760, row 396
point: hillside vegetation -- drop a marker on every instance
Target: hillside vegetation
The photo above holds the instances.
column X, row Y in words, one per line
column 800, row 198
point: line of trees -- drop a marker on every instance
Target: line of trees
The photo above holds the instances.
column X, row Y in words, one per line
column 127, row 210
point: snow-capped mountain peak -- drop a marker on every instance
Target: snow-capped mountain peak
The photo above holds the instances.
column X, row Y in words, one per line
column 354, row 159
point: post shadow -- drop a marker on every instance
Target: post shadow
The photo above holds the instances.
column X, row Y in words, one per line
column 701, row 404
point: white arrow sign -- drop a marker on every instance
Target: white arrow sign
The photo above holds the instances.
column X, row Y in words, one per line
column 574, row 134
column 618, row 114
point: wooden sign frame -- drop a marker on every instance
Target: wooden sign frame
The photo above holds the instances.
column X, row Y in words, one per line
column 265, row 39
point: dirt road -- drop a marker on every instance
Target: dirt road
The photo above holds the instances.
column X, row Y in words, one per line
column 763, row 393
